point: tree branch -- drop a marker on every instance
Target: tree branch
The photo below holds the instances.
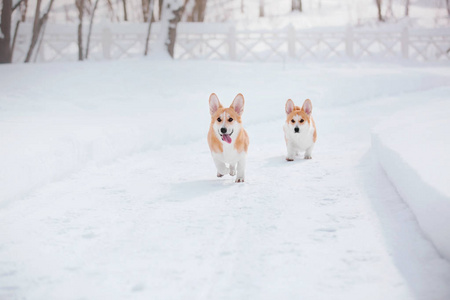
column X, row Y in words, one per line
column 17, row 4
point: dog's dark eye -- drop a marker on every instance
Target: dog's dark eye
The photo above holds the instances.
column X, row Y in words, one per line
column 301, row 121
column 293, row 121
column 230, row 120
column 219, row 120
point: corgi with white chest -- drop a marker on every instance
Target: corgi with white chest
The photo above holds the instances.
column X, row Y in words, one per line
column 299, row 130
column 227, row 139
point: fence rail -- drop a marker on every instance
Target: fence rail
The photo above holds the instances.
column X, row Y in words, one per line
column 225, row 42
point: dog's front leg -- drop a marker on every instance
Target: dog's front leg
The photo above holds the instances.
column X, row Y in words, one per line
column 221, row 167
column 308, row 152
column 232, row 169
column 291, row 150
column 241, row 169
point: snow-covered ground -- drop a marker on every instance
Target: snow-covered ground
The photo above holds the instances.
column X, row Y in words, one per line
column 108, row 189
column 413, row 147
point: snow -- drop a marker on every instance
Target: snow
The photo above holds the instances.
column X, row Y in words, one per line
column 108, row 188
column 413, row 147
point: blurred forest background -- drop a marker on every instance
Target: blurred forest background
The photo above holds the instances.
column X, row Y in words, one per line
column 24, row 22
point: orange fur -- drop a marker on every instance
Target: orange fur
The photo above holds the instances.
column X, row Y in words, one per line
column 241, row 142
column 299, row 111
column 215, row 145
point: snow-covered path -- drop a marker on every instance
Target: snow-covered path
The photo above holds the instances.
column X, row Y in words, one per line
column 159, row 225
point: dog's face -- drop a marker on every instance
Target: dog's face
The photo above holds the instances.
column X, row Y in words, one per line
column 226, row 122
column 298, row 119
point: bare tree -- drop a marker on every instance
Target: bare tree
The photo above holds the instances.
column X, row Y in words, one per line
column 14, row 38
column 297, row 5
column 160, row 5
column 80, row 6
column 261, row 8
column 150, row 21
column 23, row 6
column 448, row 7
column 5, row 32
column 406, row 8
column 198, row 14
column 145, row 9
column 171, row 14
column 6, row 47
column 177, row 12
column 90, row 28
column 380, row 17
column 39, row 21
column 18, row 4
column 125, row 15
column 111, row 10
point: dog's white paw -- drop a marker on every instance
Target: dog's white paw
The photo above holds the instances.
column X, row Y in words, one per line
column 239, row 180
column 221, row 173
column 308, row 156
column 232, row 172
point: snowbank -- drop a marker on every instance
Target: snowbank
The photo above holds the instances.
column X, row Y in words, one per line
column 413, row 147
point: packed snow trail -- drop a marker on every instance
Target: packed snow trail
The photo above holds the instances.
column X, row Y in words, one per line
column 158, row 224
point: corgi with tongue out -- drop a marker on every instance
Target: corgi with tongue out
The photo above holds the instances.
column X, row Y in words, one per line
column 227, row 139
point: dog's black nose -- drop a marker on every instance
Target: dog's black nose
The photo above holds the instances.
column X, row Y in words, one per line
column 223, row 130
column 296, row 129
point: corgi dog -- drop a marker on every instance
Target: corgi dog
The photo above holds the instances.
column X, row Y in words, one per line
column 299, row 130
column 227, row 139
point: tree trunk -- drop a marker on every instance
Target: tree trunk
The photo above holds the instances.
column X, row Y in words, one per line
column 23, row 10
column 407, row 8
column 145, row 9
column 36, row 30
column 297, row 5
column 5, row 32
column 80, row 7
column 90, row 29
column 19, row 4
column 14, row 39
column 199, row 11
column 177, row 13
column 150, row 21
column 110, row 9
column 40, row 41
column 38, row 22
column 380, row 17
column 261, row 8
column 125, row 15
column 161, row 4
column 448, row 7
column 172, row 11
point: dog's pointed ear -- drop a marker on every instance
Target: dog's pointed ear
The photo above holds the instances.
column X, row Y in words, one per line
column 307, row 106
column 238, row 104
column 214, row 104
column 289, row 106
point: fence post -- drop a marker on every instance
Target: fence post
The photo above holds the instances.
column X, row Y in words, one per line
column 106, row 42
column 232, row 43
column 291, row 41
column 405, row 43
column 349, row 42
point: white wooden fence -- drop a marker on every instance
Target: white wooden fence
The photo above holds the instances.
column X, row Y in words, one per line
column 224, row 42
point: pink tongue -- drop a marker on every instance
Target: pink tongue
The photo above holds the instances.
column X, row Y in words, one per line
column 226, row 138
